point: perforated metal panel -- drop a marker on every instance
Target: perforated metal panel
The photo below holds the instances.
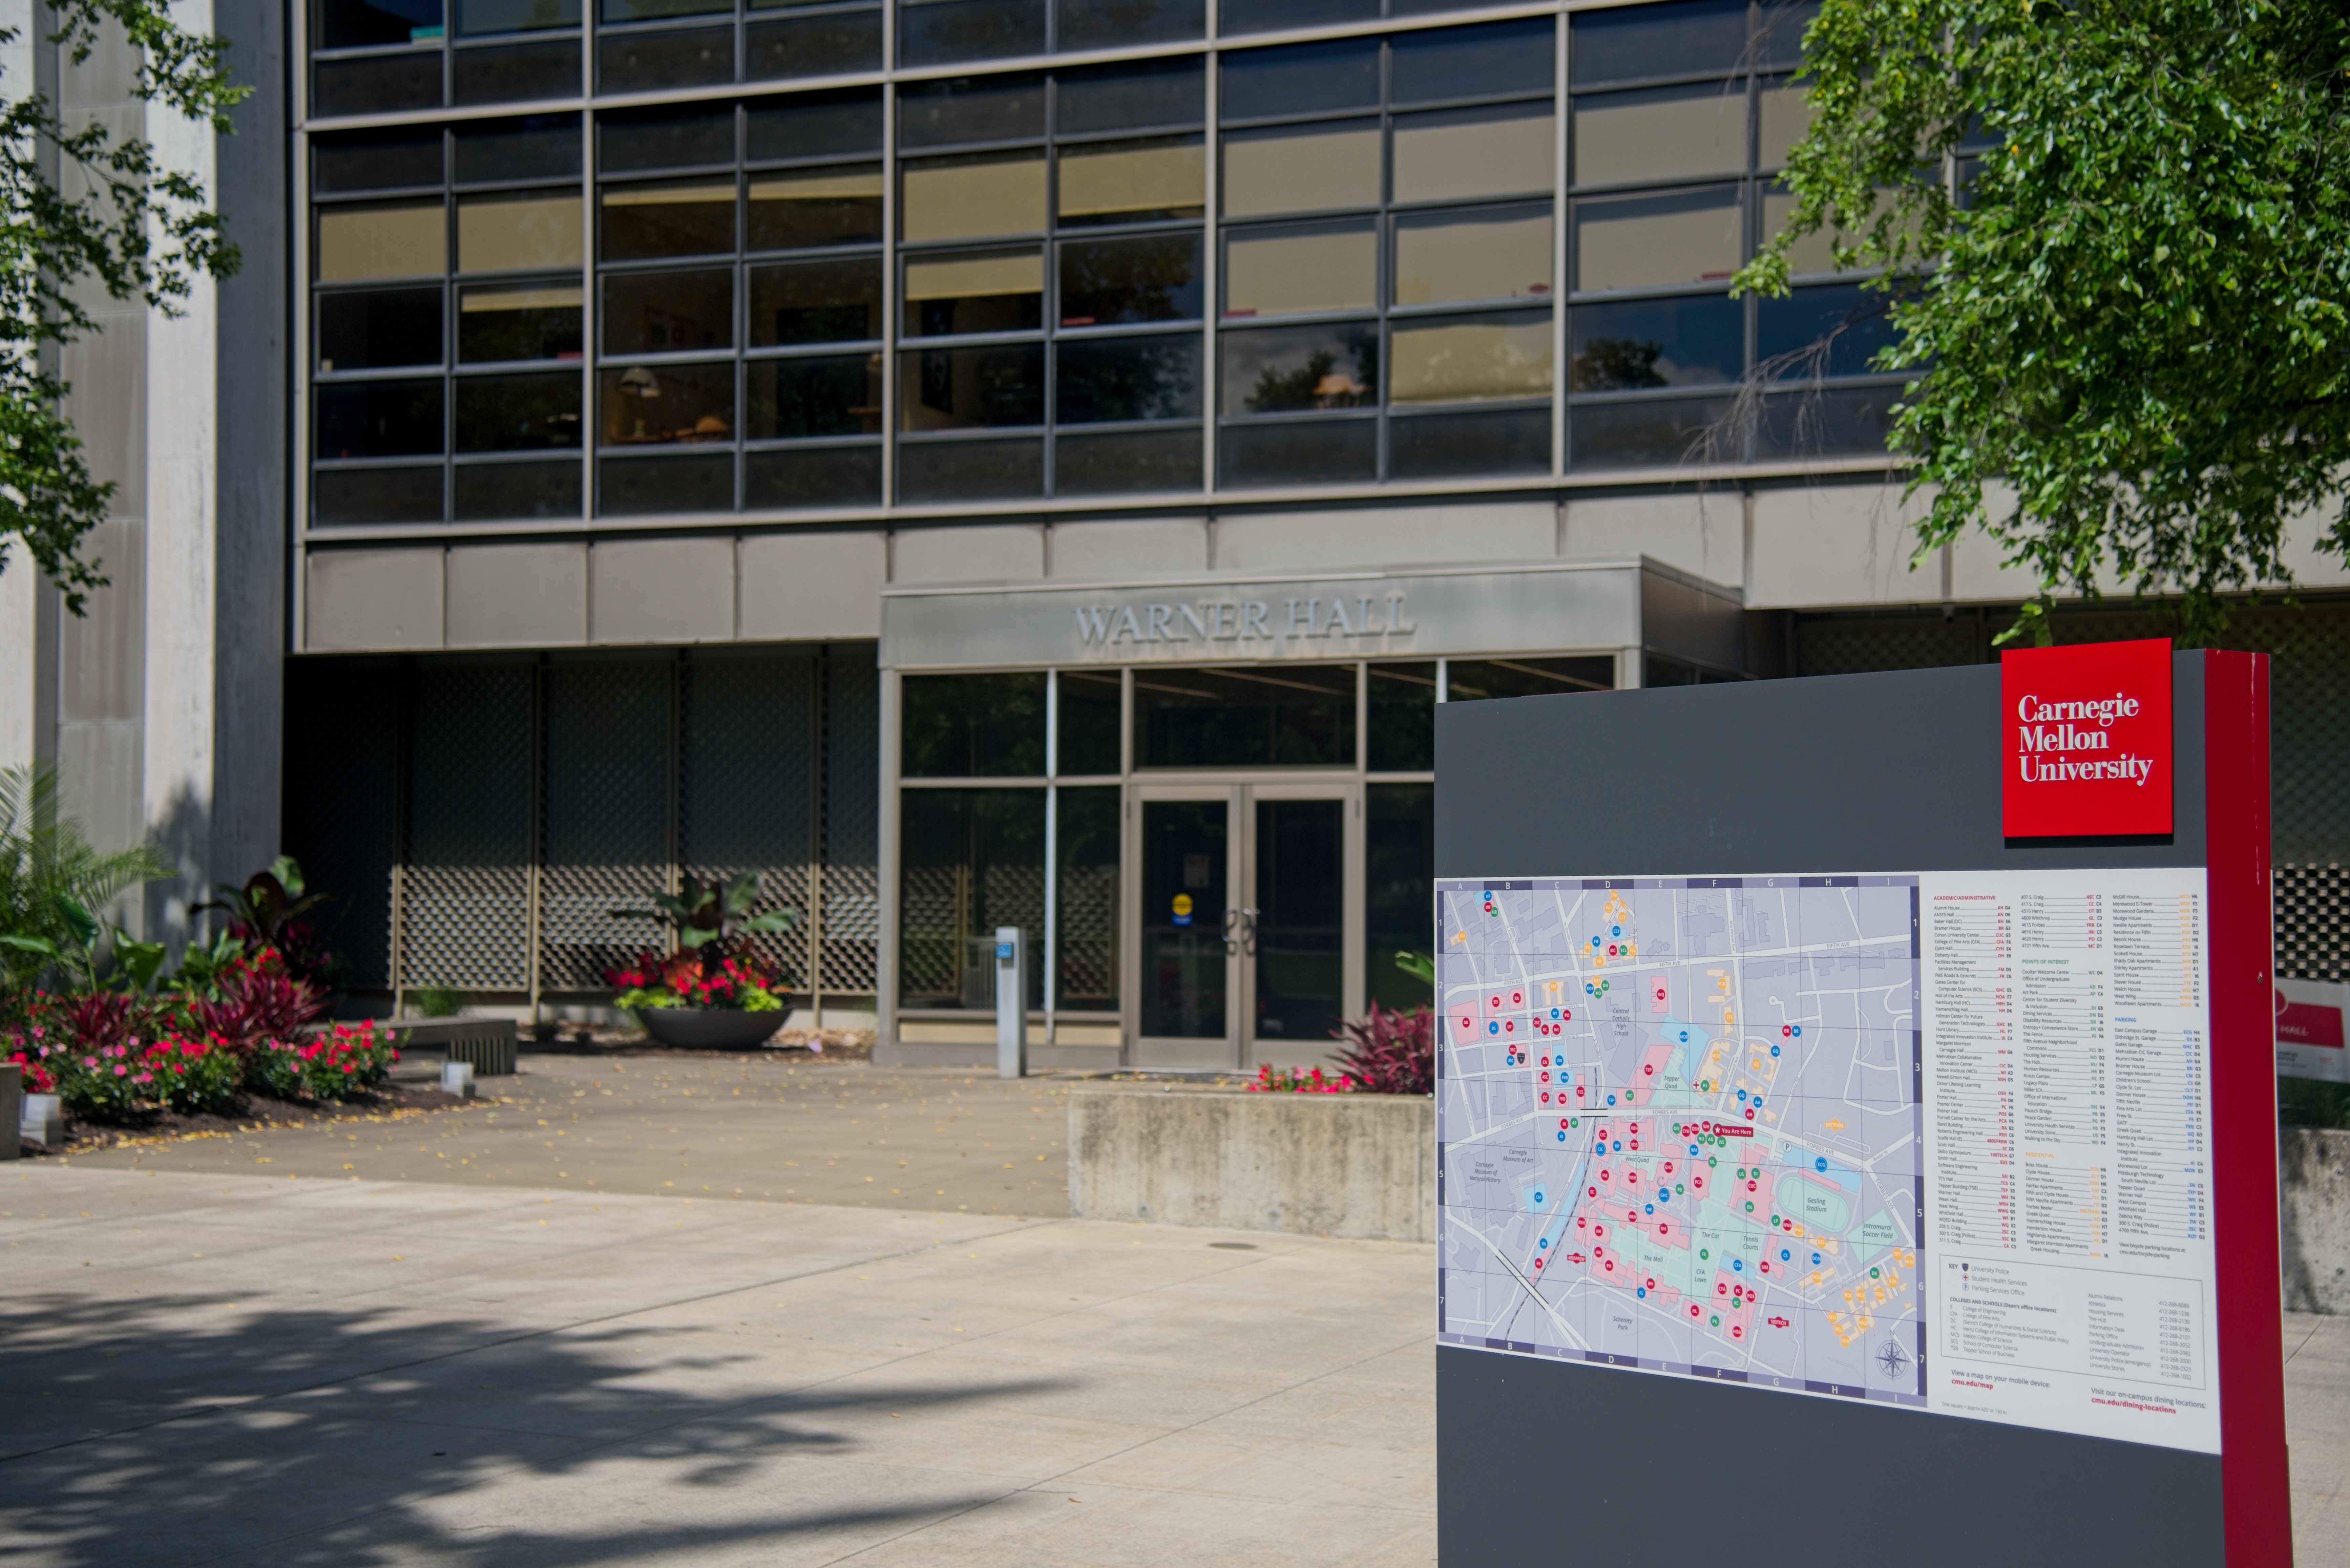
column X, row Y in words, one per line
column 2312, row 922
column 465, row 904
column 606, row 836
column 1087, row 933
column 1838, row 645
column 746, row 793
column 852, row 820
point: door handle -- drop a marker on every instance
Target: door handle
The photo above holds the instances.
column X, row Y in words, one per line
column 1240, row 931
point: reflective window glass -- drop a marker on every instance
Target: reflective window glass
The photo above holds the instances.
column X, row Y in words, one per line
column 1240, row 17
column 1470, row 359
column 1631, row 43
column 813, row 476
column 1295, row 369
column 1160, row 459
column 1130, row 97
column 1110, row 23
column 1403, row 717
column 535, row 147
column 1309, row 267
column 829, row 44
column 800, row 209
column 357, row 24
column 517, row 413
column 972, row 389
column 1694, row 341
column 1498, row 58
column 1476, row 680
column 1101, row 379
column 827, row 395
column 654, row 10
column 643, row 222
column 651, row 487
column 1334, row 451
column 346, row 497
column 1660, row 133
column 1088, row 734
column 378, row 418
column 495, row 491
column 477, row 17
column 1486, row 440
column 1310, row 169
column 947, row 32
column 985, row 291
column 971, row 109
column 1399, row 886
column 814, row 125
column 669, row 312
column 1300, row 715
column 1815, row 251
column 1450, row 155
column 1132, row 181
column 519, row 321
column 971, row 726
column 1682, row 236
column 519, row 234
column 971, row 860
column 1088, row 832
column 514, row 74
column 1496, row 253
column 1146, row 277
column 817, row 302
column 1831, row 331
column 407, row 239
column 969, row 197
column 376, row 159
column 655, row 404
column 1304, row 79
column 650, row 62
column 1675, row 432
column 376, row 328
column 971, row 470
column 1782, row 119
column 633, row 139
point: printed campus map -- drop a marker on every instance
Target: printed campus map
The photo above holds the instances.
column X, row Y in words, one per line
column 1681, row 1129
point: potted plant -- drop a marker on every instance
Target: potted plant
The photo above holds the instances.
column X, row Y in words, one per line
column 711, row 991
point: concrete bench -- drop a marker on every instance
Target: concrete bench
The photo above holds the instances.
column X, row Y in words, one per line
column 488, row 1045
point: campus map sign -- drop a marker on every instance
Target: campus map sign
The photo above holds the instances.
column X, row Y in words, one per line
column 1938, row 1140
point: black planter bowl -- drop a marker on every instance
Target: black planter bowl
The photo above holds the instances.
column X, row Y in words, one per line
column 710, row 1028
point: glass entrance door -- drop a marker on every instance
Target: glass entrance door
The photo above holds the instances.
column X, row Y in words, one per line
column 1250, row 909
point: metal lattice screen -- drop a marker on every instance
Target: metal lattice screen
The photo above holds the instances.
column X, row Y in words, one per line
column 566, row 786
column 2313, row 924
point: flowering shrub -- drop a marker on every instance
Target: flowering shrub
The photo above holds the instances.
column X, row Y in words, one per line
column 1271, row 1080
column 115, row 1082
column 258, row 1002
column 685, row 980
column 1391, row 1052
column 331, row 1067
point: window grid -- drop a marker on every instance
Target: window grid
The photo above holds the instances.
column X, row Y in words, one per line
column 893, row 346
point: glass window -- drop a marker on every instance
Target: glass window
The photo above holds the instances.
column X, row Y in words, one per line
column 1470, row 679
column 1293, row 716
column 357, row 24
column 515, row 75
column 377, row 160
column 1241, row 16
column 1403, row 717
column 1400, row 888
column 971, row 470
column 1784, row 119
column 348, row 497
column 971, row 726
column 1632, row 42
column 1103, row 379
column 1660, row 133
column 404, row 239
column 1109, row 24
column 1130, row 97
column 496, row 492
column 1005, row 108
column 1457, row 154
column 1086, row 840
column 1674, row 433
column 1680, row 236
column 1831, row 331
column 1312, row 169
column 817, row 302
column 377, row 84
column 813, row 476
column 973, row 859
column 669, row 312
column 1470, row 359
column 946, row 32
column 670, row 219
column 519, row 234
column 1088, row 737
column 637, row 140
column 1293, row 271
column 1126, row 463
column 825, row 395
column 376, row 328
column 517, row 413
column 1496, row 441
column 972, row 389
column 644, row 403
column 1499, row 59
column 974, row 196
column 804, row 208
column 1132, row 181
column 1494, row 253
column 814, row 125
column 524, row 321
column 651, row 487
column 1304, row 79
column 826, row 45
column 654, row 10
column 1814, row 424
column 533, row 147
column 475, row 17
column 379, row 418
column 1149, row 277
column 650, row 62
column 1695, row 341
column 1815, row 252
column 967, row 292
column 1315, row 453
column 1296, row 369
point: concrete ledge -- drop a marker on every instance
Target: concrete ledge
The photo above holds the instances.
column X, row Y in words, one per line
column 487, row 1044
column 2313, row 1198
column 1309, row 1165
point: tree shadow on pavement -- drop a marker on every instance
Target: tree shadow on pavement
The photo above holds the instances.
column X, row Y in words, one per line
column 177, row 1429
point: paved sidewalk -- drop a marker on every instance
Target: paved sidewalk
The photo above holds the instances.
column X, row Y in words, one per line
column 783, row 1129
column 207, row 1369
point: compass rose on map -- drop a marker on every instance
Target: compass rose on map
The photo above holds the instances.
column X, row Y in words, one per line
column 1893, row 1360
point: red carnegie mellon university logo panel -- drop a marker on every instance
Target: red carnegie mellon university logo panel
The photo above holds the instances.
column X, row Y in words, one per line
column 2087, row 732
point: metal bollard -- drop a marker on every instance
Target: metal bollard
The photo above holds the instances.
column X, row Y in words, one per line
column 1011, row 1003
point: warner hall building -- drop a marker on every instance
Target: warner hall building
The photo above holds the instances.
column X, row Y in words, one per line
column 977, row 462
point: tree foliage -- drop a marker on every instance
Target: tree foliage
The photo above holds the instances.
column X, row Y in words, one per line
column 81, row 208
column 2138, row 319
column 53, row 883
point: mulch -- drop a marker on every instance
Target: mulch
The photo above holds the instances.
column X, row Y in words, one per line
column 389, row 1102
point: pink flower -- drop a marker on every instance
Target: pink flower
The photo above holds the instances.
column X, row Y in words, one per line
column 119, row 1070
